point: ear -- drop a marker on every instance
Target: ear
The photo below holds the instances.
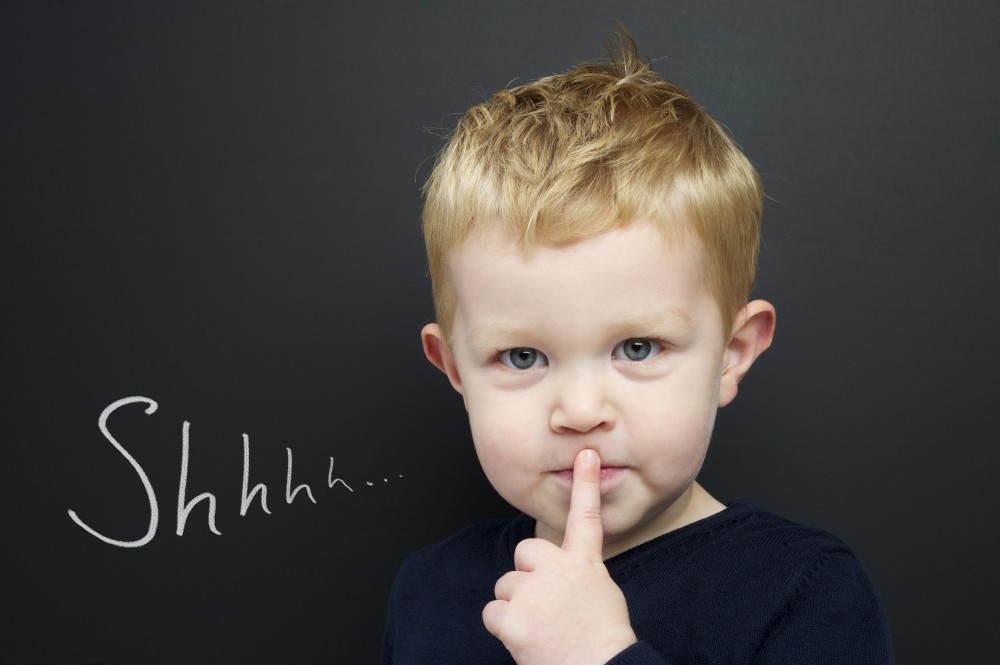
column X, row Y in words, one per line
column 752, row 333
column 439, row 353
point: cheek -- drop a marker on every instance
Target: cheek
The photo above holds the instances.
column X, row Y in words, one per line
column 676, row 427
column 502, row 434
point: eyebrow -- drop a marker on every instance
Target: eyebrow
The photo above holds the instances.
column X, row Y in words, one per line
column 668, row 320
column 499, row 331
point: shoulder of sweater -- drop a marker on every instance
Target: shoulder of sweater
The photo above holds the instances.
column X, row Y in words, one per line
column 761, row 540
column 478, row 542
column 763, row 528
column 743, row 535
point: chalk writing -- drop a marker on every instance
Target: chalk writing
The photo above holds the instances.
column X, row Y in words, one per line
column 331, row 481
column 154, row 514
column 259, row 487
column 185, row 506
column 184, row 509
column 367, row 482
column 289, row 494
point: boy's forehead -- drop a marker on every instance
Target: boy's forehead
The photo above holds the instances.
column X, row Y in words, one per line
column 666, row 318
column 635, row 274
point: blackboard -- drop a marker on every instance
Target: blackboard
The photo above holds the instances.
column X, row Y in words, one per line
column 212, row 257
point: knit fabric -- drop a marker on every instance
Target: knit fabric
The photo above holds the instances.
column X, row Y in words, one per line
column 742, row 586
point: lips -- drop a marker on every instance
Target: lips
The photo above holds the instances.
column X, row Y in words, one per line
column 608, row 474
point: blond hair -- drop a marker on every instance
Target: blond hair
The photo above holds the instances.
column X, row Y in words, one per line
column 577, row 154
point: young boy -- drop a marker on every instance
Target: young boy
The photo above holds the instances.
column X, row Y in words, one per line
column 592, row 240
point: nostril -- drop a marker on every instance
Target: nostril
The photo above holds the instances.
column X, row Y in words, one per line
column 580, row 420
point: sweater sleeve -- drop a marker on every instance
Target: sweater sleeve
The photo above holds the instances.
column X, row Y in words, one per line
column 388, row 635
column 833, row 616
column 639, row 653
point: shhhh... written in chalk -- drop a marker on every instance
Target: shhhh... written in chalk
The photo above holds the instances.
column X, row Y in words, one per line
column 248, row 497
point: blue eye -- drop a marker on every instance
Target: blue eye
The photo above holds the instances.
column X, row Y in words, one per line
column 636, row 349
column 523, row 357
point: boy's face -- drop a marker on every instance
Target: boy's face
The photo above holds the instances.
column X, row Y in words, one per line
column 610, row 343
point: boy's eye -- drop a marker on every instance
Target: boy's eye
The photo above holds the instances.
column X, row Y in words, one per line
column 636, row 349
column 523, row 358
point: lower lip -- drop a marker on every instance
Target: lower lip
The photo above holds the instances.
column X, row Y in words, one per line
column 609, row 474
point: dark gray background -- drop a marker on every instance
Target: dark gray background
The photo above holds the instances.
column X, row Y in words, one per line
column 216, row 205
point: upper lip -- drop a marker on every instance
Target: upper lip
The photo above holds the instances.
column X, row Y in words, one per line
column 603, row 466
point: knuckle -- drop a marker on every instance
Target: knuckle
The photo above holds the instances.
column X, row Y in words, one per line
column 589, row 514
column 529, row 553
column 504, row 587
column 492, row 616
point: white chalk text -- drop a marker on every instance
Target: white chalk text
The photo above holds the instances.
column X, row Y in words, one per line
column 302, row 491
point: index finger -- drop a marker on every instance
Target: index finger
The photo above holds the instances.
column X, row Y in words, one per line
column 584, row 531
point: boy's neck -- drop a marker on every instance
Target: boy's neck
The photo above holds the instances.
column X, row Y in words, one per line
column 693, row 505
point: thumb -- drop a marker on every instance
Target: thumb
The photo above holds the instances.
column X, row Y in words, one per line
column 584, row 532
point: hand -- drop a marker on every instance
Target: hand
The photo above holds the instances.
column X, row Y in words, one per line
column 560, row 605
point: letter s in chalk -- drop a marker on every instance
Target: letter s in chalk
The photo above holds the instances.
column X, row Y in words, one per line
column 154, row 513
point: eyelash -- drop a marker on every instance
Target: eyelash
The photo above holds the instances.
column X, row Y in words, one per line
column 499, row 355
column 658, row 345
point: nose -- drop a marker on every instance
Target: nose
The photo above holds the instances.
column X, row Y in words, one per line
column 582, row 404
